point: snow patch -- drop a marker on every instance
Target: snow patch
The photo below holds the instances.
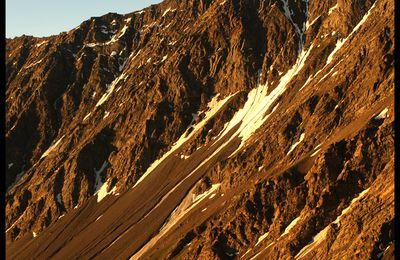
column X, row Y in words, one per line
column 308, row 25
column 184, row 156
column 40, row 43
column 111, row 89
column 290, row 226
column 329, row 72
column 337, row 220
column 306, row 83
column 33, row 64
column 91, row 45
column 245, row 253
column 121, row 33
column 382, row 115
column 255, row 256
column 101, row 188
column 341, row 42
column 104, row 29
column 122, row 66
column 130, row 56
column 289, row 13
column 106, row 114
column 87, row 116
column 296, row 143
column 175, row 216
column 197, row 198
column 315, row 153
column 168, row 25
column 167, row 11
column 252, row 115
column 15, row 222
column 318, row 72
column 261, row 238
column 17, row 178
column 213, row 107
column 316, row 240
column 52, row 147
column 172, row 43
column 333, row 8
column 58, row 197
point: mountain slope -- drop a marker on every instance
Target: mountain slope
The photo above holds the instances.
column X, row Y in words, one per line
column 205, row 129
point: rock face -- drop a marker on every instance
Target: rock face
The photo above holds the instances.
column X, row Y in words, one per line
column 211, row 129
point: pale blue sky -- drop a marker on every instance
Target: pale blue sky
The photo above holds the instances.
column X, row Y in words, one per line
column 49, row 17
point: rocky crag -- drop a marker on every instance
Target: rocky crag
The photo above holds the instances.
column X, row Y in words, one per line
column 208, row 129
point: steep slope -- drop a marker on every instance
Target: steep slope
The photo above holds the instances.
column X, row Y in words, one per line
column 205, row 129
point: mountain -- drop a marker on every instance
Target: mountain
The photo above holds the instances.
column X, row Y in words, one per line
column 209, row 129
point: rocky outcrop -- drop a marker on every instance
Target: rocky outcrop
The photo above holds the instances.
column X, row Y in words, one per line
column 205, row 129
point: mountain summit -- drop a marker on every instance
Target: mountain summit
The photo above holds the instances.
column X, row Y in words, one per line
column 208, row 129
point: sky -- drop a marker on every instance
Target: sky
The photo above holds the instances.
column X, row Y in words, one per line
column 48, row 17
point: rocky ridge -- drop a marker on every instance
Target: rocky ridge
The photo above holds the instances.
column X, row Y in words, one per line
column 205, row 129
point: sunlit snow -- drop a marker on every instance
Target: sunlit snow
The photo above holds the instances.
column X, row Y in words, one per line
column 253, row 113
column 213, row 107
column 351, row 204
column 106, row 113
column 86, row 117
column 341, row 42
column 33, row 64
column 172, row 43
column 40, row 43
column 290, row 226
column 308, row 25
column 167, row 11
column 101, row 188
column 15, row 222
column 111, row 89
column 51, row 148
column 261, row 238
column 383, row 114
column 317, row 239
column 175, row 216
column 315, row 153
column 332, row 8
column 296, row 143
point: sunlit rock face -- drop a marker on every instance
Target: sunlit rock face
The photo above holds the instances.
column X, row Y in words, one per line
column 221, row 129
